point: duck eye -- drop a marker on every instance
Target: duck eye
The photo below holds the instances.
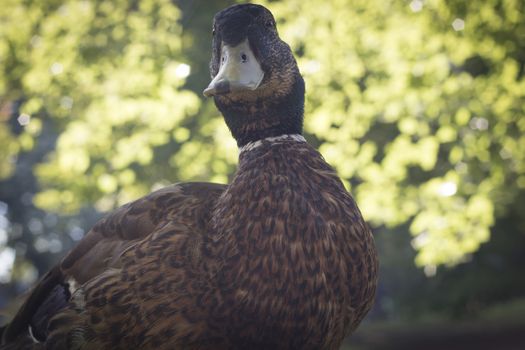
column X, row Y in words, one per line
column 244, row 58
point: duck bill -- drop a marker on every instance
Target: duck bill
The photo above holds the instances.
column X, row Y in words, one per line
column 239, row 71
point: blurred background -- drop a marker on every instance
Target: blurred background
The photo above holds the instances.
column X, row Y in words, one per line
column 418, row 104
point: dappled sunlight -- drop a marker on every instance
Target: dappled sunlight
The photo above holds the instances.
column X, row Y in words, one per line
column 399, row 98
column 7, row 254
column 418, row 105
column 409, row 106
column 7, row 259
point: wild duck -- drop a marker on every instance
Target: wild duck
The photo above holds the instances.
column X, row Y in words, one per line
column 280, row 258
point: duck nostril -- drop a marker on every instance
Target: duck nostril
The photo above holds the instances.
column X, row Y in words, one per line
column 244, row 58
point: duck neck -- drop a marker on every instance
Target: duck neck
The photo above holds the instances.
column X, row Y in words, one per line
column 264, row 118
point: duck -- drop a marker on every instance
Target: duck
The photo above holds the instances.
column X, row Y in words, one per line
column 280, row 258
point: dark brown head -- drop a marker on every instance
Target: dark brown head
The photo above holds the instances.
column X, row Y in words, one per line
column 256, row 83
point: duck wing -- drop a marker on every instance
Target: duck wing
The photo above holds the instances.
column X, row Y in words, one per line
column 127, row 264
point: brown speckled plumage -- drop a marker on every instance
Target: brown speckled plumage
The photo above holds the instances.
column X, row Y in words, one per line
column 278, row 259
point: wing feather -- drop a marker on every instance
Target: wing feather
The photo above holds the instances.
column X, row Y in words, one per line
column 119, row 238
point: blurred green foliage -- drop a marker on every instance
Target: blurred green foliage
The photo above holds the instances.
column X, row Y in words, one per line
column 110, row 75
column 418, row 104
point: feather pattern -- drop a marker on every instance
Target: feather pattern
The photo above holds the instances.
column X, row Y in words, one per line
column 280, row 258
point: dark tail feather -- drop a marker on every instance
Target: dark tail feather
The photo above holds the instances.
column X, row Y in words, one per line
column 57, row 299
column 23, row 342
column 18, row 327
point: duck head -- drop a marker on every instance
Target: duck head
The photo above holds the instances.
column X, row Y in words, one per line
column 256, row 83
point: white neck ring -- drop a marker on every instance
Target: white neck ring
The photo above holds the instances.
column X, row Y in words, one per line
column 274, row 139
